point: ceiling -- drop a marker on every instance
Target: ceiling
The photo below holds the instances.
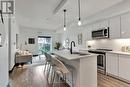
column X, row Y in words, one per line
column 44, row 15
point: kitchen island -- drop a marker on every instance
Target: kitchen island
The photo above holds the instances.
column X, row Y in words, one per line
column 85, row 65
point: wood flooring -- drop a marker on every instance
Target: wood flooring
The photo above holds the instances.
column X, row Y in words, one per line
column 106, row 81
column 28, row 76
column 32, row 76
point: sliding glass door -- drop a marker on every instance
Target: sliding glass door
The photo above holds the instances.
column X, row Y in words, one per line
column 44, row 44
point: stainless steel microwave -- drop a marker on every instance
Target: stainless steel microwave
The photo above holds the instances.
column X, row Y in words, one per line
column 101, row 33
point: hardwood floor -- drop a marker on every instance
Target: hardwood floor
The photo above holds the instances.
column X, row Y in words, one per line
column 106, row 81
column 28, row 76
column 33, row 76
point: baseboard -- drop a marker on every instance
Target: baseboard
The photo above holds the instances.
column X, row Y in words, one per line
column 119, row 78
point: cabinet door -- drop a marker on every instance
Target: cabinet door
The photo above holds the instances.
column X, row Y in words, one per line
column 104, row 23
column 114, row 25
column 112, row 64
column 125, row 26
column 124, row 67
column 96, row 26
column 100, row 24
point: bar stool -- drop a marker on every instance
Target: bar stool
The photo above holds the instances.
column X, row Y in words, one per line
column 70, row 68
column 48, row 65
column 59, row 71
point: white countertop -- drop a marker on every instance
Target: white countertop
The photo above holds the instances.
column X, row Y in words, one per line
column 119, row 52
column 114, row 51
column 66, row 54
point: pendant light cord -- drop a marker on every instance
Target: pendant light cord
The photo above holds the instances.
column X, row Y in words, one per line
column 64, row 17
column 79, row 9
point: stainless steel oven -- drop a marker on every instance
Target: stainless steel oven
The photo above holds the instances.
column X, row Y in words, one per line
column 101, row 61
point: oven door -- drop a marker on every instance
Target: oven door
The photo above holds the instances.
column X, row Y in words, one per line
column 101, row 62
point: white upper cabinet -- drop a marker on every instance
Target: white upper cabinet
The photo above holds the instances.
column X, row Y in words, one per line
column 124, row 64
column 104, row 24
column 100, row 24
column 125, row 26
column 119, row 26
column 96, row 26
column 112, row 64
column 114, row 27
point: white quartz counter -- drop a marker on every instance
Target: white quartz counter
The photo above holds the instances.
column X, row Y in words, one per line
column 114, row 51
column 66, row 54
column 85, row 67
column 119, row 52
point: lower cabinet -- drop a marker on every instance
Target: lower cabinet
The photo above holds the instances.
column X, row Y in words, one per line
column 124, row 67
column 112, row 64
column 118, row 65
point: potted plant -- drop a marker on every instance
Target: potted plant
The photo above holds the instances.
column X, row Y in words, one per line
column 57, row 45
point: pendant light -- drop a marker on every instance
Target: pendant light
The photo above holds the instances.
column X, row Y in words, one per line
column 79, row 21
column 64, row 19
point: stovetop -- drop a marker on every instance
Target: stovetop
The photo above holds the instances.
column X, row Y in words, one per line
column 99, row 50
column 105, row 49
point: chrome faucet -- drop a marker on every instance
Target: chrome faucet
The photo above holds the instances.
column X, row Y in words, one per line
column 71, row 46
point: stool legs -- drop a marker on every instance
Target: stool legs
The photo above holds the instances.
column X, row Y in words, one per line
column 72, row 79
column 45, row 66
column 52, row 78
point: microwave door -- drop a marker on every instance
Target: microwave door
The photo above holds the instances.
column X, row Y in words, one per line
column 96, row 34
column 104, row 33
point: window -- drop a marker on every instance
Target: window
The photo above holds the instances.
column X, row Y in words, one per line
column 31, row 40
column 44, row 44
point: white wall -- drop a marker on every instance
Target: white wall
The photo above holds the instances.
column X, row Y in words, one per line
column 13, row 30
column 26, row 33
column 7, row 52
column 72, row 34
column 115, row 44
column 4, row 57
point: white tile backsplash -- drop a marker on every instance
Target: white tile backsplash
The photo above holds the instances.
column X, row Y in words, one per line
column 114, row 44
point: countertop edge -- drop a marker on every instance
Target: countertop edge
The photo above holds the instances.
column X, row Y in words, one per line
column 119, row 52
column 76, row 58
column 114, row 51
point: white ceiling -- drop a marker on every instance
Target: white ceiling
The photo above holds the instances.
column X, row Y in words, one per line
column 40, row 13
